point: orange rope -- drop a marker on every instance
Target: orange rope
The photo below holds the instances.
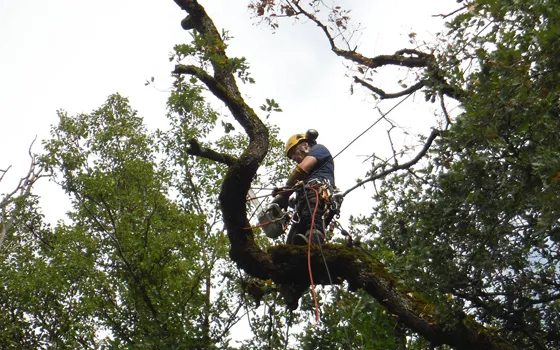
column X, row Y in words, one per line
column 317, row 318
column 259, row 225
column 309, row 255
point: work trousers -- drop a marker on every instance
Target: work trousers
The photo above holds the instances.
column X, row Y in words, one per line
column 306, row 204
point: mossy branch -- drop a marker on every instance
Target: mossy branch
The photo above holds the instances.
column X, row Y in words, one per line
column 195, row 149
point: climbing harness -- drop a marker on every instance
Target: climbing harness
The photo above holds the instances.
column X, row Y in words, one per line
column 274, row 220
column 331, row 199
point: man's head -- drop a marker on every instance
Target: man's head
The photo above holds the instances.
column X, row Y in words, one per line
column 298, row 145
column 299, row 152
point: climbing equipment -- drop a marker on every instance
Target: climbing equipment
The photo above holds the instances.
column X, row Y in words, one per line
column 332, row 198
column 310, row 240
column 333, row 202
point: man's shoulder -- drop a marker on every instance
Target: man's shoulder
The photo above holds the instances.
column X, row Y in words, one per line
column 319, row 149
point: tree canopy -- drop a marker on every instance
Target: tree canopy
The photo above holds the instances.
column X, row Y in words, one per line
column 460, row 249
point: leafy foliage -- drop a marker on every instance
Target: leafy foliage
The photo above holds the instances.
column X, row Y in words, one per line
column 352, row 321
column 475, row 227
column 143, row 258
column 132, row 261
column 481, row 224
column 472, row 232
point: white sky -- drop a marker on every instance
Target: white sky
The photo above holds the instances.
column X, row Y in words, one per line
column 72, row 54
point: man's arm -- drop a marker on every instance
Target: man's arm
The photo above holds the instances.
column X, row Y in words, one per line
column 300, row 172
column 308, row 163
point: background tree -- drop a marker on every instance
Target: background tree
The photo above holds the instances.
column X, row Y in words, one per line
column 12, row 203
column 142, row 258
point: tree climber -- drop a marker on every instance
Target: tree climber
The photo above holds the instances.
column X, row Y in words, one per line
column 313, row 181
column 317, row 201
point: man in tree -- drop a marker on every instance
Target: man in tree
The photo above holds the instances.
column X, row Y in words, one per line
column 313, row 181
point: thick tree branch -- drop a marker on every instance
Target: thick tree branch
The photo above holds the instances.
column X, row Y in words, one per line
column 237, row 182
column 229, row 94
column 422, row 153
column 195, row 149
column 398, row 59
column 354, row 265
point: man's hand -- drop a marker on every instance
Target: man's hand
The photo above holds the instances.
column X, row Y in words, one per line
column 276, row 190
column 285, row 191
column 282, row 200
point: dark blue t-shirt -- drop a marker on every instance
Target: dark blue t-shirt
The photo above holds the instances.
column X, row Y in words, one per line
column 324, row 169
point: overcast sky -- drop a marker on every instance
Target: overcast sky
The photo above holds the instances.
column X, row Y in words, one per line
column 72, row 54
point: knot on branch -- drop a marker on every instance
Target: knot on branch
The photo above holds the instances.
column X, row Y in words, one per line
column 188, row 23
column 194, row 148
column 257, row 289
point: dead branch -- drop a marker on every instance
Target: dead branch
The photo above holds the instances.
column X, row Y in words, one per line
column 451, row 13
column 21, row 191
column 409, row 58
column 420, row 60
column 422, row 153
column 445, row 113
column 4, row 171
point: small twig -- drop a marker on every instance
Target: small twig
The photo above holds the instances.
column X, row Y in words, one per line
column 451, row 13
column 392, row 145
column 4, row 172
column 445, row 113
column 384, row 95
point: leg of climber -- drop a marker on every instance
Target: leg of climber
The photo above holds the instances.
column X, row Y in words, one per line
column 308, row 205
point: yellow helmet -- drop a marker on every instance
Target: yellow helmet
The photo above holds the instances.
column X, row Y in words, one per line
column 294, row 141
